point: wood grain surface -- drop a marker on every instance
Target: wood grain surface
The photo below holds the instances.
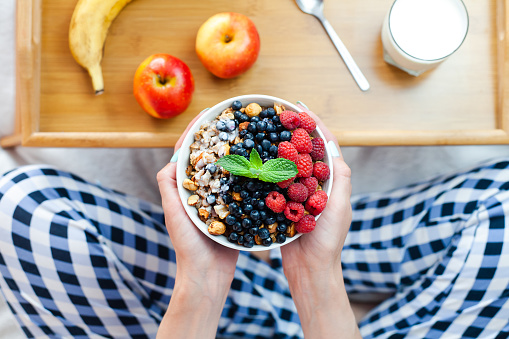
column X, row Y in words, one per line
column 460, row 102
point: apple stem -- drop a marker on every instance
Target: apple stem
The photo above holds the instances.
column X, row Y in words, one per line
column 161, row 80
column 227, row 38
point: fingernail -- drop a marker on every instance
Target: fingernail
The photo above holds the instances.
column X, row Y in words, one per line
column 175, row 156
column 303, row 104
column 333, row 149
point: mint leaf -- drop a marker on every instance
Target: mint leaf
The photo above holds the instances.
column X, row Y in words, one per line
column 277, row 170
column 255, row 159
column 236, row 165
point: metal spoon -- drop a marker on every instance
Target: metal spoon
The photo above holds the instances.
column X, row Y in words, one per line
column 315, row 8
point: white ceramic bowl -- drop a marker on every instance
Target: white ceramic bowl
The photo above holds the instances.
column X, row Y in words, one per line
column 183, row 163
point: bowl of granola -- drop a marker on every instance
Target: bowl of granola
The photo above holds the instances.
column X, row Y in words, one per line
column 253, row 172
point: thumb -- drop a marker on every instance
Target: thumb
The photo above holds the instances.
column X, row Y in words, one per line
column 167, row 181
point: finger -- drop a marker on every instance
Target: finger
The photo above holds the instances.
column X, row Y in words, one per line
column 181, row 139
column 167, row 181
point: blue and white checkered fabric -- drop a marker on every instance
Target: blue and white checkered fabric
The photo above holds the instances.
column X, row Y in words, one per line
column 80, row 260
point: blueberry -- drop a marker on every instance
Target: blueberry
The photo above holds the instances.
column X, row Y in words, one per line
column 264, row 154
column 247, row 223
column 233, row 207
column 263, row 215
column 258, row 185
column 266, row 144
column 247, row 201
column 211, row 168
column 273, row 137
column 244, row 118
column 237, row 114
column 243, row 132
column 220, row 125
column 261, row 205
column 260, row 136
column 244, row 194
column 248, row 244
column 270, row 220
column 280, row 127
column 237, row 188
column 239, row 151
column 259, row 149
column 273, row 150
column 271, row 112
column 280, row 238
column 263, row 233
column 254, row 214
column 271, row 128
column 223, row 136
column 211, row 199
column 230, row 125
column 253, row 230
column 247, row 135
column 233, row 149
column 230, row 219
column 249, row 143
column 241, row 239
column 255, row 119
column 281, row 227
column 275, row 119
column 267, row 242
column 263, row 114
column 237, row 227
column 227, row 199
column 248, row 237
column 257, row 223
column 236, row 105
column 252, row 127
column 285, row 136
column 248, row 208
column 245, row 153
column 280, row 217
column 233, row 237
column 251, row 186
column 261, row 126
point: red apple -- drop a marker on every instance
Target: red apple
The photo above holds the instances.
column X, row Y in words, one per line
column 163, row 86
column 228, row 44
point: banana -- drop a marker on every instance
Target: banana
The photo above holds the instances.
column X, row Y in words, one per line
column 89, row 26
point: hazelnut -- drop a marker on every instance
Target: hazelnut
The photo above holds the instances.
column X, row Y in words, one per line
column 272, row 227
column 189, row 185
column 217, row 228
column 236, row 196
column 203, row 213
column 253, row 109
column 193, row 200
column 290, row 231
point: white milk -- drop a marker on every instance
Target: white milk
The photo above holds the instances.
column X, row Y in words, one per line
column 419, row 34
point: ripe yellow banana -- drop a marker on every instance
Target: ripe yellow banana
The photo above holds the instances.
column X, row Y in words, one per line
column 87, row 32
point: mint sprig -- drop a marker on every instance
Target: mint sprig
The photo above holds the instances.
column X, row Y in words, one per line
column 274, row 170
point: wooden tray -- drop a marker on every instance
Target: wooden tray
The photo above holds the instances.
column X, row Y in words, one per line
column 460, row 102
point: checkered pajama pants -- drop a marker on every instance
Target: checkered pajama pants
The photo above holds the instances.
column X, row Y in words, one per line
column 80, row 260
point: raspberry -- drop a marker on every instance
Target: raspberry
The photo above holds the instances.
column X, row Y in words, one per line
column 286, row 183
column 297, row 192
column 307, row 122
column 276, row 202
column 318, row 151
column 294, row 211
column 287, row 150
column 304, row 166
column 311, row 184
column 301, row 141
column 306, row 224
column 316, row 203
column 289, row 119
column 321, row 171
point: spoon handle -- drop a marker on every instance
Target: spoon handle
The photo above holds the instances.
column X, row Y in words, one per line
column 347, row 58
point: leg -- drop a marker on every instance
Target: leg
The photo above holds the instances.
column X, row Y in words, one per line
column 80, row 260
column 441, row 249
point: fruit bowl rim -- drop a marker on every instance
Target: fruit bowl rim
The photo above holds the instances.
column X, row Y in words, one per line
column 210, row 114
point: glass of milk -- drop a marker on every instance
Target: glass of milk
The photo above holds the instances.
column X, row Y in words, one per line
column 417, row 35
